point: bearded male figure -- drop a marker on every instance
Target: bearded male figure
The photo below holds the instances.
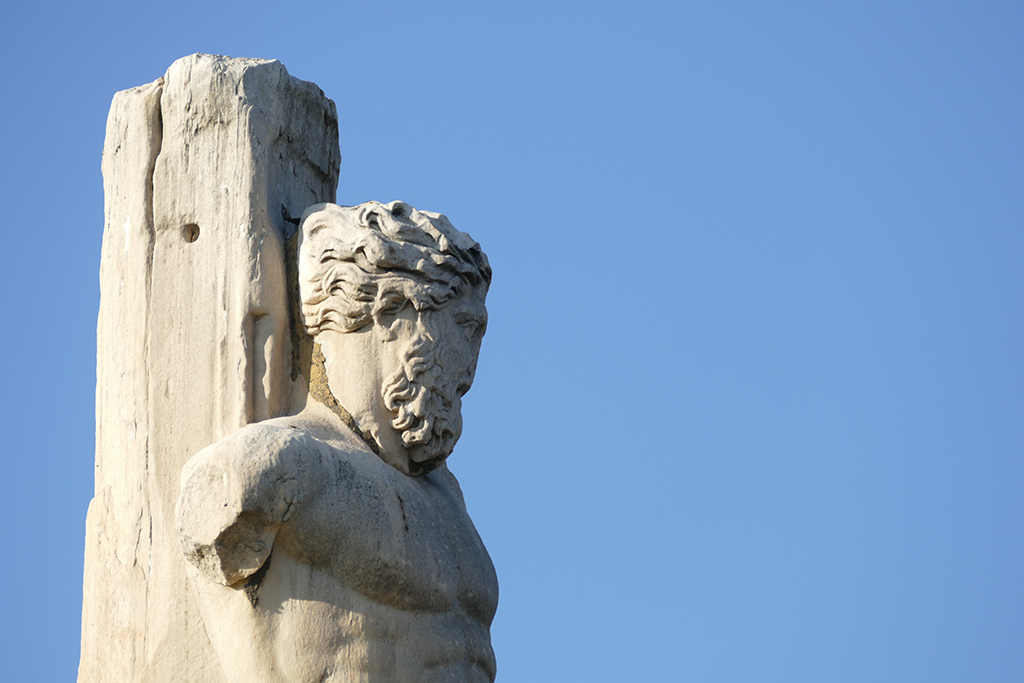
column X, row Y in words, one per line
column 334, row 545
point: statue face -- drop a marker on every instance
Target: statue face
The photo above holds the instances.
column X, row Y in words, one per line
column 395, row 297
column 403, row 376
column 430, row 361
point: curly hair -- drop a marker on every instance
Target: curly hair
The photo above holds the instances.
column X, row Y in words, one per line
column 352, row 258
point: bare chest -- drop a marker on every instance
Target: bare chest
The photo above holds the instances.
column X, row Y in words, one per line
column 401, row 542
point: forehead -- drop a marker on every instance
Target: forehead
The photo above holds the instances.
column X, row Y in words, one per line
column 427, row 295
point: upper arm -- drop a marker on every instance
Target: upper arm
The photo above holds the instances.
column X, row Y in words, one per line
column 235, row 495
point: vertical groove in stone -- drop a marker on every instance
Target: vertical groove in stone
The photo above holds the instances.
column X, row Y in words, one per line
column 194, row 329
column 118, row 524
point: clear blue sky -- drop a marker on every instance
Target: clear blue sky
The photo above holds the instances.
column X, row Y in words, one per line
column 751, row 403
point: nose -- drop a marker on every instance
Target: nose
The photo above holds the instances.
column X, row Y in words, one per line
column 426, row 328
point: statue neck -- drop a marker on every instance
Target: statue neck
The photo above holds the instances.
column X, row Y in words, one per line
column 381, row 439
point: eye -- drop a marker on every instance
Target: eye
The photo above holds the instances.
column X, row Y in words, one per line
column 391, row 304
column 472, row 326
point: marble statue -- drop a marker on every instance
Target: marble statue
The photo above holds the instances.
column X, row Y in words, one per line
column 342, row 524
column 279, row 385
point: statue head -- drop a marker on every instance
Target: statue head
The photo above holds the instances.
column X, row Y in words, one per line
column 395, row 298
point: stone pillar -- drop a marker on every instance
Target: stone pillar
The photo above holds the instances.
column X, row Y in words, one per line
column 203, row 170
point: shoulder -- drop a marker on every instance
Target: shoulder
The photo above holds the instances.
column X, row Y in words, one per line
column 269, row 435
column 262, row 444
column 445, row 481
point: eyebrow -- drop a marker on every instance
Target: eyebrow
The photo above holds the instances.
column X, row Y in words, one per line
column 475, row 316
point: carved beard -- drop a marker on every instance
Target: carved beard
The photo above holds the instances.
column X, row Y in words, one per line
column 423, row 405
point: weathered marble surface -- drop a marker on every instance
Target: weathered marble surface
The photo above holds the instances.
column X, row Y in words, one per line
column 343, row 528
column 200, row 169
column 267, row 508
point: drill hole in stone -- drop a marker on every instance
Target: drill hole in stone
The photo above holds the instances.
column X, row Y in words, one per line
column 190, row 232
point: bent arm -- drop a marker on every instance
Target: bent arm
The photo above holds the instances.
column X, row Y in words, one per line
column 236, row 494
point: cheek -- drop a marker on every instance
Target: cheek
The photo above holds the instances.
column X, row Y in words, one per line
column 462, row 352
column 386, row 333
column 465, row 366
column 396, row 329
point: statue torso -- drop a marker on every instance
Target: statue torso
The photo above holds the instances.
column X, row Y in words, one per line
column 379, row 577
